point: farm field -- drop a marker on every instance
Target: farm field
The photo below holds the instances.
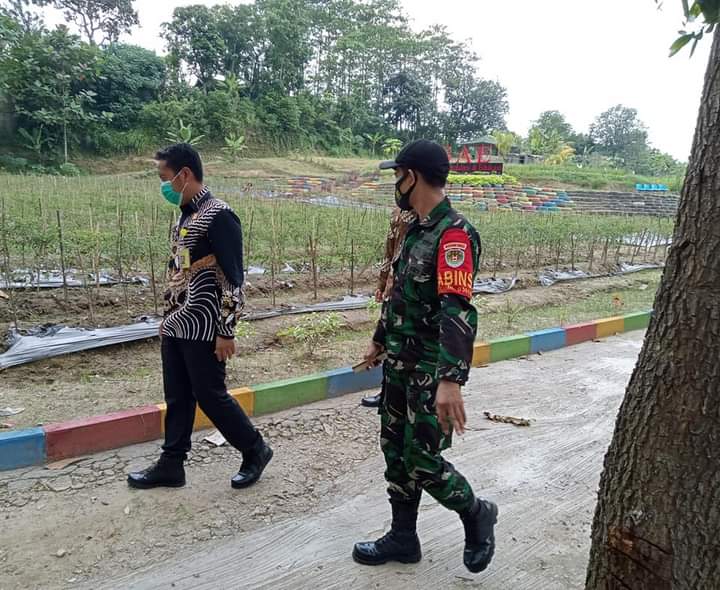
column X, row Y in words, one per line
column 118, row 225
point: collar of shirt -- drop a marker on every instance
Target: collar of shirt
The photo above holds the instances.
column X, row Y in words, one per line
column 436, row 214
column 196, row 201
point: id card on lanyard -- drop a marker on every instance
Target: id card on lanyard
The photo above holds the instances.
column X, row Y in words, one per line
column 182, row 260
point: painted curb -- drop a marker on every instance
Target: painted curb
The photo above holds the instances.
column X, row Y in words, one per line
column 578, row 333
column 544, row 340
column 101, row 433
column 243, row 395
column 22, row 448
column 502, row 349
column 33, row 446
column 636, row 321
column 610, row 327
column 281, row 395
column 344, row 381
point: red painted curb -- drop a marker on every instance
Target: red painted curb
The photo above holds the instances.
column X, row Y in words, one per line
column 102, row 433
column 580, row 333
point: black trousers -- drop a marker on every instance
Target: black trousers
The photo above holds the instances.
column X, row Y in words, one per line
column 193, row 376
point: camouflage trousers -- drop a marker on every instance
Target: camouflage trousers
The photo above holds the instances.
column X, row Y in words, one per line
column 412, row 440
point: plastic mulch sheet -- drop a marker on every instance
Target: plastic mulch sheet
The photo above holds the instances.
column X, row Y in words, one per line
column 49, row 341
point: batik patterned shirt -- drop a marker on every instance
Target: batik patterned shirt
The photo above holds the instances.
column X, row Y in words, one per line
column 205, row 272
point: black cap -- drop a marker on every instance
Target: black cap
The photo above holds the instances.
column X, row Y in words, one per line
column 427, row 157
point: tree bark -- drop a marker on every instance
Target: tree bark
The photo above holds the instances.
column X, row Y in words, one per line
column 657, row 522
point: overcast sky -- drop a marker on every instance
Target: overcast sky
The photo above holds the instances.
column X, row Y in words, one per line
column 576, row 56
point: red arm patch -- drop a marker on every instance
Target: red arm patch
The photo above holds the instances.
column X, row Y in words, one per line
column 455, row 264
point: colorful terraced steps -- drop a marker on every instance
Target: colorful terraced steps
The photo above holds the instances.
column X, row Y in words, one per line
column 512, row 198
column 83, row 436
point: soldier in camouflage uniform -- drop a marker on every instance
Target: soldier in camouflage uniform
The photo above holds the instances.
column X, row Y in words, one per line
column 428, row 328
column 399, row 222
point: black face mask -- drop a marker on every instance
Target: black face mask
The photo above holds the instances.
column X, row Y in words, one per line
column 402, row 199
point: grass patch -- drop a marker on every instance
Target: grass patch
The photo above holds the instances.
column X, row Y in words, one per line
column 494, row 324
column 587, row 178
column 597, row 306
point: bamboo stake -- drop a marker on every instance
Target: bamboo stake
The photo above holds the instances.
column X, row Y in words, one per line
column 6, row 252
column 121, row 278
column 352, row 267
column 152, row 275
column 62, row 255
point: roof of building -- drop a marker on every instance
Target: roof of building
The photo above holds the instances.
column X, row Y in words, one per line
column 488, row 139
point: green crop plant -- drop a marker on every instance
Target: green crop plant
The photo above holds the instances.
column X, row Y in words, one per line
column 184, row 134
column 480, row 180
column 312, row 329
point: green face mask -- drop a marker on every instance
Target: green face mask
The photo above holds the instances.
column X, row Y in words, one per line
column 171, row 195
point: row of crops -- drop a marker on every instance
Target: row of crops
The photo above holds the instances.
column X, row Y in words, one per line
column 122, row 223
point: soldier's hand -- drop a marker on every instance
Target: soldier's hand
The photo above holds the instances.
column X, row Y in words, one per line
column 379, row 296
column 373, row 350
column 450, row 407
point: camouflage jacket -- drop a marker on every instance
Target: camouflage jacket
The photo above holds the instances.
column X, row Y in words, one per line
column 429, row 322
column 393, row 244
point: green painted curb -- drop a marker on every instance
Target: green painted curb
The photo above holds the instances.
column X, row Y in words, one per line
column 502, row 349
column 636, row 321
column 281, row 395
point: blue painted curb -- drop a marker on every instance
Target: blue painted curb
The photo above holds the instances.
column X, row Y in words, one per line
column 22, row 448
column 543, row 340
column 342, row 381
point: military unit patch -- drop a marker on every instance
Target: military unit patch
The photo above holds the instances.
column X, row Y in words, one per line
column 455, row 265
column 454, row 254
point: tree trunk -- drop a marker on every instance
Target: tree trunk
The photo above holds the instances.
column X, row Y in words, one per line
column 657, row 522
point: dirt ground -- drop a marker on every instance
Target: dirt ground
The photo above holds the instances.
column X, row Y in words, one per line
column 79, row 526
column 124, row 376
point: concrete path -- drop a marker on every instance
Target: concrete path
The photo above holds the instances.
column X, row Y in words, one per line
column 543, row 477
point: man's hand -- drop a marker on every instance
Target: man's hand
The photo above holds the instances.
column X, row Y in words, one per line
column 224, row 348
column 450, row 407
column 373, row 350
column 379, row 296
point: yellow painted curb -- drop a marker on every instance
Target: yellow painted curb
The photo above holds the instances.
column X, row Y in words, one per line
column 610, row 327
column 244, row 396
column 481, row 354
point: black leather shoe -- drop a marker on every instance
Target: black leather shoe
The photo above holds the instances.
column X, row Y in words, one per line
column 166, row 473
column 394, row 546
column 254, row 462
column 400, row 544
column 479, row 523
column 371, row 401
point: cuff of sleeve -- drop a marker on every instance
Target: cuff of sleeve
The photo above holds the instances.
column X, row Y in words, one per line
column 224, row 331
column 453, row 374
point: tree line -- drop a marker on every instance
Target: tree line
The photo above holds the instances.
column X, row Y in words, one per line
column 339, row 77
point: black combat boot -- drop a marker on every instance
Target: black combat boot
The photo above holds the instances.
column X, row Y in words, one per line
column 479, row 522
column 167, row 472
column 401, row 543
column 255, row 459
column 372, row 401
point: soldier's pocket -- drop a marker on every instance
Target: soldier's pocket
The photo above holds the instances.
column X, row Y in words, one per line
column 425, row 404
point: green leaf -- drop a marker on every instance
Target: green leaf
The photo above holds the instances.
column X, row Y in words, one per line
column 695, row 11
column 680, row 43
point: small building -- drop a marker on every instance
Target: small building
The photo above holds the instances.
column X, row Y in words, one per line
column 478, row 155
